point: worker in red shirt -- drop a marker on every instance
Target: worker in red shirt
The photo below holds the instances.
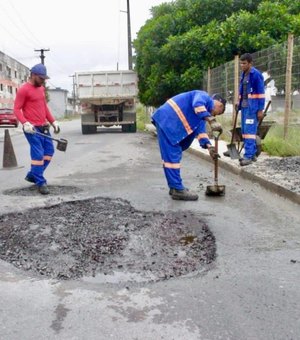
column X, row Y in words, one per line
column 31, row 109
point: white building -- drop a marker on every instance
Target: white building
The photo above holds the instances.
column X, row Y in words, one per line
column 12, row 75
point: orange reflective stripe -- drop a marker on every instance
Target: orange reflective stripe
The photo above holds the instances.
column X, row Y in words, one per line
column 200, row 109
column 202, row 135
column 180, row 115
column 47, row 158
column 171, row 165
column 256, row 96
column 33, row 162
column 248, row 136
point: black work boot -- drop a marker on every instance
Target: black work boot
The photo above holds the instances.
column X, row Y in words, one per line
column 245, row 161
column 29, row 179
column 43, row 189
column 226, row 154
column 183, row 195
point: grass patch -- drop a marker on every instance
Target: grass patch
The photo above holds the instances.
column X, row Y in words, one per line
column 275, row 145
column 142, row 117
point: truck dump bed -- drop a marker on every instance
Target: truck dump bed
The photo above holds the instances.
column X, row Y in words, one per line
column 107, row 98
column 106, row 86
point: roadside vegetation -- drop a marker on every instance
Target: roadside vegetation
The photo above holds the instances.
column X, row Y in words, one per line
column 274, row 143
column 142, row 117
column 184, row 38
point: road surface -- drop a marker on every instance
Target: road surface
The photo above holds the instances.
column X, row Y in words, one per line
column 250, row 291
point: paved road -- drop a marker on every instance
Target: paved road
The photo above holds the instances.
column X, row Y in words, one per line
column 251, row 291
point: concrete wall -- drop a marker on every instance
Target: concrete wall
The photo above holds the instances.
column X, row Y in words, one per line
column 58, row 103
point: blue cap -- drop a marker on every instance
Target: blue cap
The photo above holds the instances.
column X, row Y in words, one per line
column 40, row 70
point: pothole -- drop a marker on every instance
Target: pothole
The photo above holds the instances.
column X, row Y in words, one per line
column 33, row 191
column 106, row 238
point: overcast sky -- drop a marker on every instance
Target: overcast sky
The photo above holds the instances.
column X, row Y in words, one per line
column 81, row 35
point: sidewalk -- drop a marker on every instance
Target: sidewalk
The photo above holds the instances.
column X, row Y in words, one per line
column 276, row 174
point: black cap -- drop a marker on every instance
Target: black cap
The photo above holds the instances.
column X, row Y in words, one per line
column 219, row 98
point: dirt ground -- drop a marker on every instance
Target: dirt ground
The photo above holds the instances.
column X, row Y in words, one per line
column 100, row 236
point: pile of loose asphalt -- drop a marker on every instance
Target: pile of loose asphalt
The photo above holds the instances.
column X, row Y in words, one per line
column 105, row 236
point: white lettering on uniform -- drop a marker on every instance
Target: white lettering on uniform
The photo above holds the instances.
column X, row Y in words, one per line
column 249, row 121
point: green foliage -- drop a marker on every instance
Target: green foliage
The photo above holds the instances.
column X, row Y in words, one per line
column 185, row 37
column 142, row 118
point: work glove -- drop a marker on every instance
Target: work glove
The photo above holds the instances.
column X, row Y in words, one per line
column 56, row 127
column 213, row 154
column 215, row 126
column 28, row 128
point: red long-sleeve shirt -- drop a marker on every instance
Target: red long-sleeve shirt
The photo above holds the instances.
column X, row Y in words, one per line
column 30, row 105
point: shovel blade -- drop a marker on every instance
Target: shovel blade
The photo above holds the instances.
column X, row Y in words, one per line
column 215, row 190
column 233, row 152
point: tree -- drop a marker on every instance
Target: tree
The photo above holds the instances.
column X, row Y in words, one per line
column 185, row 37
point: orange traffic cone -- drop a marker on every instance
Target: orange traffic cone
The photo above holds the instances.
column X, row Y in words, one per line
column 9, row 157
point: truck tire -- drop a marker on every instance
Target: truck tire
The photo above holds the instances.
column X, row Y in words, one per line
column 88, row 129
column 129, row 127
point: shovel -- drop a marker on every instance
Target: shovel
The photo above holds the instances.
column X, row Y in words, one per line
column 232, row 150
column 61, row 143
column 216, row 189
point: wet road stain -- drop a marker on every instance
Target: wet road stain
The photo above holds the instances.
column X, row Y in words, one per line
column 103, row 236
column 33, row 191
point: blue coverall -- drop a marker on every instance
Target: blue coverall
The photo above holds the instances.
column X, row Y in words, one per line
column 255, row 102
column 178, row 122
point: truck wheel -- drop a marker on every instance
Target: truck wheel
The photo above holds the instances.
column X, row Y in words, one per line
column 129, row 128
column 88, row 129
column 132, row 127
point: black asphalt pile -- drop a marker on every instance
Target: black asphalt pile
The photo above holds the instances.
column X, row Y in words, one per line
column 282, row 171
column 105, row 236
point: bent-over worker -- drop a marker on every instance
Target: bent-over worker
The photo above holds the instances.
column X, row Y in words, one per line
column 178, row 122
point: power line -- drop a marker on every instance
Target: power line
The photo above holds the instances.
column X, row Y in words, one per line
column 15, row 24
column 37, row 42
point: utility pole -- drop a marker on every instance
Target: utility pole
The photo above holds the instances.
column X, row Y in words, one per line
column 128, row 36
column 74, row 96
column 42, row 56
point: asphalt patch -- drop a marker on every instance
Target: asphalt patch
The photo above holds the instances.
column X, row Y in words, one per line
column 103, row 236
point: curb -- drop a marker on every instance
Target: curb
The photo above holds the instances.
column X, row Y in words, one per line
column 268, row 185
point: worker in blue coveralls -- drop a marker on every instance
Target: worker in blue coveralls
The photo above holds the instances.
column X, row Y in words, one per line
column 251, row 104
column 178, row 122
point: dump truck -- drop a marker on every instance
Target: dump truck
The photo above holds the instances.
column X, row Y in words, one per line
column 107, row 98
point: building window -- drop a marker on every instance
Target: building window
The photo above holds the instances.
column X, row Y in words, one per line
column 0, row 67
column 10, row 89
column 8, row 70
column 16, row 74
column 1, row 87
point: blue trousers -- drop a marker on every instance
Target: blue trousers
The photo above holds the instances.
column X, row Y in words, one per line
column 41, row 152
column 249, row 124
column 171, row 156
